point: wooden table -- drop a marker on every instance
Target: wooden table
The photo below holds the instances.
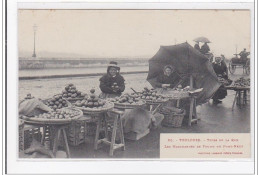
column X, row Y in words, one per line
column 239, row 98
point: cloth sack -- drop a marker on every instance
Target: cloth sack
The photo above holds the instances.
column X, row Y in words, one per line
column 32, row 107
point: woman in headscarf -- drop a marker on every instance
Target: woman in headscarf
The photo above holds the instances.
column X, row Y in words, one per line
column 169, row 78
column 197, row 46
column 112, row 84
column 221, row 70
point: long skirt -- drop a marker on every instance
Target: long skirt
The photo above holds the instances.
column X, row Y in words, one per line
column 220, row 94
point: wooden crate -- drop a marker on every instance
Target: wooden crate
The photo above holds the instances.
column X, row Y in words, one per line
column 80, row 129
column 31, row 132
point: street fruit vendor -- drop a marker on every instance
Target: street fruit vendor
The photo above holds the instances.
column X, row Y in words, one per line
column 169, row 78
column 112, row 84
column 221, row 70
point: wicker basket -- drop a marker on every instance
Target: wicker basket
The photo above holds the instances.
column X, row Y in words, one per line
column 74, row 100
column 129, row 106
column 171, row 118
column 173, row 94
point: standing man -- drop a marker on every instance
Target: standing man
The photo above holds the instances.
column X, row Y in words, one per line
column 243, row 54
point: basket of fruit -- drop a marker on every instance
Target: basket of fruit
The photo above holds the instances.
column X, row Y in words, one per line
column 71, row 93
column 178, row 93
column 127, row 101
column 225, row 82
column 242, row 82
column 93, row 104
column 57, row 102
column 151, row 96
column 59, row 116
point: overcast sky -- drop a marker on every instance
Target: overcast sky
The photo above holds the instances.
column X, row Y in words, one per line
column 130, row 33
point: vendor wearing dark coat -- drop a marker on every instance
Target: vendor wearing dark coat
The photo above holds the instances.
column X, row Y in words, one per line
column 197, row 46
column 243, row 54
column 112, row 84
column 169, row 78
column 221, row 70
column 204, row 48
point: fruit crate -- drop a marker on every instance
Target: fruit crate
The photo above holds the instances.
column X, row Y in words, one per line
column 21, row 135
column 30, row 132
column 79, row 130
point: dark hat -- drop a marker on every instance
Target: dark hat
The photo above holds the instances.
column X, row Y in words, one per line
column 169, row 66
column 113, row 64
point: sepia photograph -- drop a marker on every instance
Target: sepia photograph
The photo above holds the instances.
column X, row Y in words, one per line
column 113, row 83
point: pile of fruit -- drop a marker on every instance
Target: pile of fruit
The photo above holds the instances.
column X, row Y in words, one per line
column 151, row 95
column 70, row 92
column 178, row 92
column 91, row 101
column 225, row 82
column 56, row 102
column 180, row 89
column 128, row 99
column 115, row 86
column 60, row 114
column 242, row 82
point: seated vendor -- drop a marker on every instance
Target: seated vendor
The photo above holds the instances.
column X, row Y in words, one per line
column 112, row 84
column 169, row 78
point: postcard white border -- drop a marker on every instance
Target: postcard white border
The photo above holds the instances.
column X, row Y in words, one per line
column 79, row 166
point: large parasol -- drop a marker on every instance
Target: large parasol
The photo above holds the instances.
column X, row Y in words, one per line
column 190, row 64
column 202, row 39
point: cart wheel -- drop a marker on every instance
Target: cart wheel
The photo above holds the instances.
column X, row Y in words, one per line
column 247, row 67
column 231, row 67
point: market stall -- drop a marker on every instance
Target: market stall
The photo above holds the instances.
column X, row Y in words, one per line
column 58, row 120
column 193, row 67
column 241, row 86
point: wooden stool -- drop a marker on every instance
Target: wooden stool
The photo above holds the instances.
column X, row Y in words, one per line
column 240, row 98
column 58, row 130
column 117, row 121
column 193, row 111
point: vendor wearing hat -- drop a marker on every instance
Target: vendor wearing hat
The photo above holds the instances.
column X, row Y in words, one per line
column 221, row 71
column 197, row 46
column 112, row 84
column 205, row 48
column 169, row 78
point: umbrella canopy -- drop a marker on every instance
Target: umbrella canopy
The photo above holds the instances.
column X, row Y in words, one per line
column 188, row 63
column 202, row 39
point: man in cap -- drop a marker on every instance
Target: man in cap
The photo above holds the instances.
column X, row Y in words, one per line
column 243, row 54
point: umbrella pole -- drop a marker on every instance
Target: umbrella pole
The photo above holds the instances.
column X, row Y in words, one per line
column 193, row 111
column 191, row 81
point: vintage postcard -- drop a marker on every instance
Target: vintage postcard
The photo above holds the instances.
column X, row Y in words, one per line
column 135, row 84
